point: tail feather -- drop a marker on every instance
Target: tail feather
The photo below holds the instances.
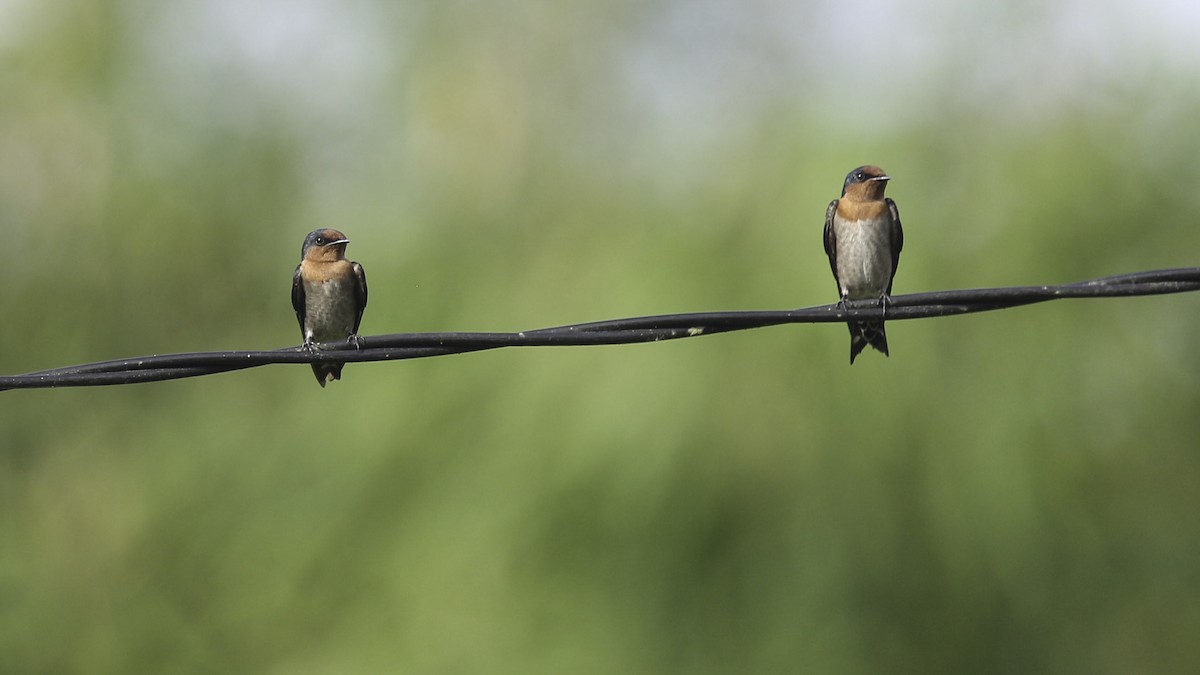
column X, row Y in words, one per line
column 327, row 372
column 867, row 333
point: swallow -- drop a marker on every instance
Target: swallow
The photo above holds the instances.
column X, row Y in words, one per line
column 863, row 239
column 329, row 294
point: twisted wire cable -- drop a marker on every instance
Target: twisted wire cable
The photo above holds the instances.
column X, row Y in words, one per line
column 632, row 330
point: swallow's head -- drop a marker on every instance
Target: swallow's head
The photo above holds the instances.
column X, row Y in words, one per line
column 866, row 182
column 326, row 244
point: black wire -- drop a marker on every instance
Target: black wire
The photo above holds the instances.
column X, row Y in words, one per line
column 617, row 331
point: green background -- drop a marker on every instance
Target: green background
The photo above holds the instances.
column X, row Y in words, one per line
column 1010, row 492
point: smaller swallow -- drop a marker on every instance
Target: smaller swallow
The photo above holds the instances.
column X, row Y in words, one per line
column 329, row 294
column 863, row 239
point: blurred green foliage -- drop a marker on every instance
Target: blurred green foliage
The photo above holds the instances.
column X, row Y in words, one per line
column 1010, row 492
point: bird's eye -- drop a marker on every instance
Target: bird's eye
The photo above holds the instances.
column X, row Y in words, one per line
column 320, row 241
column 860, row 176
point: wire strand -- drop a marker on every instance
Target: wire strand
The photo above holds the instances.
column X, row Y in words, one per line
column 154, row 368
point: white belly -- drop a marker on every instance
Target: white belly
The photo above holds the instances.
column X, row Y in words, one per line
column 864, row 257
column 329, row 310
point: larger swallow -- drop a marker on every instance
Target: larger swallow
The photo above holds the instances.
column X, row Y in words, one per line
column 329, row 294
column 863, row 238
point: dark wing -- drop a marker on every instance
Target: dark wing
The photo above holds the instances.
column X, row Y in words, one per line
column 360, row 293
column 298, row 298
column 897, row 239
column 831, row 240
